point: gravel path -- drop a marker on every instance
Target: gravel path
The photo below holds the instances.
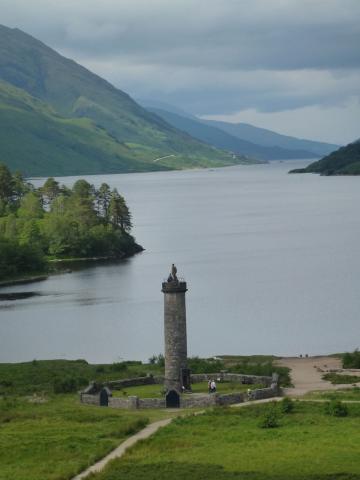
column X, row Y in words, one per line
column 121, row 449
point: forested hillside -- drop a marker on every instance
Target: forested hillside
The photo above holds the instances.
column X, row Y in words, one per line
column 345, row 161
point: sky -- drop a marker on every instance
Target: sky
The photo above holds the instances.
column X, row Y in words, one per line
column 292, row 66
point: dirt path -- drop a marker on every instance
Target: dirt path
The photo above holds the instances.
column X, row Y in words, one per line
column 306, row 374
column 120, row 450
column 256, row 402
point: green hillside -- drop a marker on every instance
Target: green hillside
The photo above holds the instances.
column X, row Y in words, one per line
column 345, row 161
column 208, row 132
column 35, row 140
column 74, row 122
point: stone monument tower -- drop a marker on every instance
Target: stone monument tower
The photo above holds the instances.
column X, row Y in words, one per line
column 177, row 375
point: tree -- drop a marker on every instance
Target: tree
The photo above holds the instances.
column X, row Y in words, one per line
column 30, row 206
column 6, row 185
column 59, row 205
column 20, row 186
column 50, row 190
column 30, row 234
column 83, row 189
column 103, row 197
column 119, row 213
column 79, row 222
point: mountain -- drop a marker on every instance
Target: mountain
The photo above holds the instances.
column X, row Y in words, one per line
column 37, row 141
column 218, row 137
column 249, row 133
column 268, row 138
column 126, row 136
column 344, row 161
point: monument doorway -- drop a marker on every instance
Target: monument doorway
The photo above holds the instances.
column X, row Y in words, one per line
column 104, row 398
column 172, row 399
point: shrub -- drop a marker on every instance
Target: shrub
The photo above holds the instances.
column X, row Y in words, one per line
column 351, row 360
column 119, row 366
column 158, row 360
column 69, row 384
column 287, row 405
column 336, row 408
column 270, row 418
column 203, row 365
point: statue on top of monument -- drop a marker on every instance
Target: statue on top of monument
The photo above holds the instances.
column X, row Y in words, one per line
column 173, row 273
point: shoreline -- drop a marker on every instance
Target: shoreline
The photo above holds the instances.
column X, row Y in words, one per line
column 24, row 280
column 45, row 276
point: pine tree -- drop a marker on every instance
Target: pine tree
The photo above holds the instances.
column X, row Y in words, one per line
column 118, row 212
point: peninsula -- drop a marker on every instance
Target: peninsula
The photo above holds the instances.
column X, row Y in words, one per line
column 344, row 161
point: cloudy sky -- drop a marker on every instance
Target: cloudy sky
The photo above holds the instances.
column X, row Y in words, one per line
column 289, row 65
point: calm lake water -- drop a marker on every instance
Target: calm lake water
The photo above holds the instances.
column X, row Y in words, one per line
column 272, row 263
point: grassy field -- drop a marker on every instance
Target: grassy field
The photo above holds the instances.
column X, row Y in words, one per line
column 228, row 444
column 352, row 394
column 337, row 379
column 43, row 375
column 156, row 391
column 58, row 438
column 48, row 436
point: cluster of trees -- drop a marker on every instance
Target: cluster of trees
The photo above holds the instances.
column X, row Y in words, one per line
column 54, row 221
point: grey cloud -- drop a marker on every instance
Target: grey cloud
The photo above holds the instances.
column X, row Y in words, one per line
column 208, row 56
column 228, row 34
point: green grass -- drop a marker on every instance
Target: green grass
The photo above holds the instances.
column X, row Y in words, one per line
column 352, row 394
column 156, row 391
column 227, row 444
column 40, row 375
column 58, row 438
column 37, row 141
column 337, row 379
column 53, row 437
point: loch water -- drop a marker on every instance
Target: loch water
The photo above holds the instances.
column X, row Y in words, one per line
column 272, row 263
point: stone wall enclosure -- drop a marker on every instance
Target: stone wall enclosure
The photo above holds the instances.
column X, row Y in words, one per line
column 92, row 397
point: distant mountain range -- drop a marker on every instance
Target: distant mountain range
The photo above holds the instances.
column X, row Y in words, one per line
column 241, row 137
column 58, row 118
column 344, row 161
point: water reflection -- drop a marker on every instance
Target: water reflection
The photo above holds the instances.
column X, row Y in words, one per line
column 17, row 295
